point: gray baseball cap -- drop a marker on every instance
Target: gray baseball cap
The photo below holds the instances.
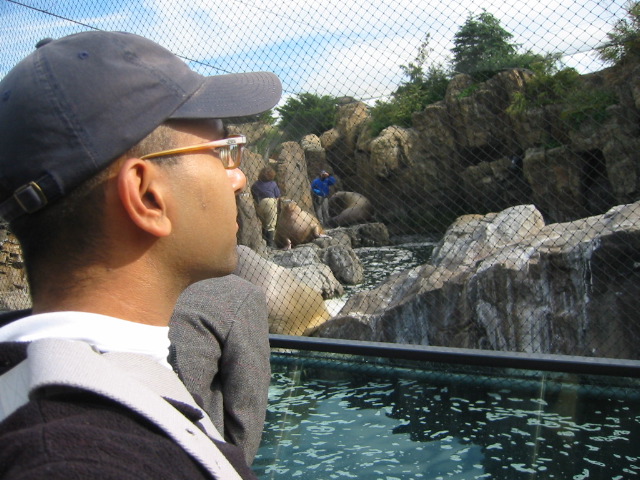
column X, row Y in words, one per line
column 76, row 104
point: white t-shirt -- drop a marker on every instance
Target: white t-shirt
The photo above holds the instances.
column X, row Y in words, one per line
column 107, row 334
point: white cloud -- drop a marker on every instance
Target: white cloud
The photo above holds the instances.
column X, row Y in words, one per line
column 338, row 47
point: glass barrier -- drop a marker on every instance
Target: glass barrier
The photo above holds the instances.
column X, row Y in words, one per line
column 362, row 417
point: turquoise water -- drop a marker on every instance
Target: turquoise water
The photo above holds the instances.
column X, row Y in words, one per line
column 332, row 418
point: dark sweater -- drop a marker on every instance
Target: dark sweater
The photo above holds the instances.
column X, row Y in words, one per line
column 261, row 190
column 70, row 434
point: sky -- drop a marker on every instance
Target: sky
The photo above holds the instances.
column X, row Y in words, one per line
column 330, row 47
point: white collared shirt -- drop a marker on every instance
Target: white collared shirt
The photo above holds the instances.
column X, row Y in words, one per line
column 107, row 334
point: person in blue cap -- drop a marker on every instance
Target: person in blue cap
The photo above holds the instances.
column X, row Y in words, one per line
column 321, row 189
column 118, row 177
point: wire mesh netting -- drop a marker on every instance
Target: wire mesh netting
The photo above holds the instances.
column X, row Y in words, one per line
column 351, row 417
column 480, row 163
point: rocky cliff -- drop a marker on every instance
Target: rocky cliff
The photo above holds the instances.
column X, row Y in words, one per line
column 466, row 154
column 508, row 281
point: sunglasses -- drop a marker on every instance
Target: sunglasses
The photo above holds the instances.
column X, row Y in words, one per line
column 228, row 150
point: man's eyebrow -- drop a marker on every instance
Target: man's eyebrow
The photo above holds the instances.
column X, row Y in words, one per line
column 225, row 131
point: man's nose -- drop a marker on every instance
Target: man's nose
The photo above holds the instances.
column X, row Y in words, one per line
column 237, row 179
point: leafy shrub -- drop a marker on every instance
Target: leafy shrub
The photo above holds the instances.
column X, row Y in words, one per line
column 543, row 64
column 409, row 98
column 564, row 87
column 587, row 104
column 481, row 49
column 470, row 90
column 544, row 88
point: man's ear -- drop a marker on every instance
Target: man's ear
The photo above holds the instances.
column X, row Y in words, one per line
column 142, row 189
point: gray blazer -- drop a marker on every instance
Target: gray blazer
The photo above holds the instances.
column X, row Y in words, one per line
column 220, row 350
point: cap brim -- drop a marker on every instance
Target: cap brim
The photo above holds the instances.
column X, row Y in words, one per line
column 232, row 95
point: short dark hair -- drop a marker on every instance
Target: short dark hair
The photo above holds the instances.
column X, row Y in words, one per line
column 267, row 174
column 62, row 233
column 69, row 233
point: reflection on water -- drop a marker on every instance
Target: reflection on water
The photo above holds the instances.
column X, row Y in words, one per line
column 332, row 419
column 381, row 262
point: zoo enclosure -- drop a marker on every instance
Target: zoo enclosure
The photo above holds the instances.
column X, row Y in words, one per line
column 505, row 117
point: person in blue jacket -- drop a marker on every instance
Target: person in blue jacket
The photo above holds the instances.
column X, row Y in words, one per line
column 321, row 188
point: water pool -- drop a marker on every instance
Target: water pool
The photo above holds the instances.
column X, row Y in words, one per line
column 343, row 417
column 379, row 263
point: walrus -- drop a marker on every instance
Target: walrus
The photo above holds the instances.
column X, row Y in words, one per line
column 352, row 208
column 295, row 308
column 295, row 226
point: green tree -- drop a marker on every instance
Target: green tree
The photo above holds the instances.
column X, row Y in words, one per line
column 624, row 39
column 307, row 113
column 482, row 47
column 419, row 90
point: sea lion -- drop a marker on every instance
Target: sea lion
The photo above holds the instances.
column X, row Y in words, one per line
column 295, row 226
column 351, row 207
column 295, row 308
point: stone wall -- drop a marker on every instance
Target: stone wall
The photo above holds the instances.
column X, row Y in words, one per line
column 466, row 154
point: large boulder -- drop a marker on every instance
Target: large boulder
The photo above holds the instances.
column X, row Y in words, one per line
column 622, row 162
column 315, row 155
column 362, row 235
column 340, row 142
column 335, row 252
column 344, row 263
column 472, row 237
column 495, row 185
column 508, row 282
column 457, row 156
column 479, row 119
column 556, row 180
column 292, row 176
column 250, row 227
column 306, row 263
column 351, row 118
column 391, row 150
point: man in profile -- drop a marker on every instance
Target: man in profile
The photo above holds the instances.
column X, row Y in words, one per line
column 118, row 178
